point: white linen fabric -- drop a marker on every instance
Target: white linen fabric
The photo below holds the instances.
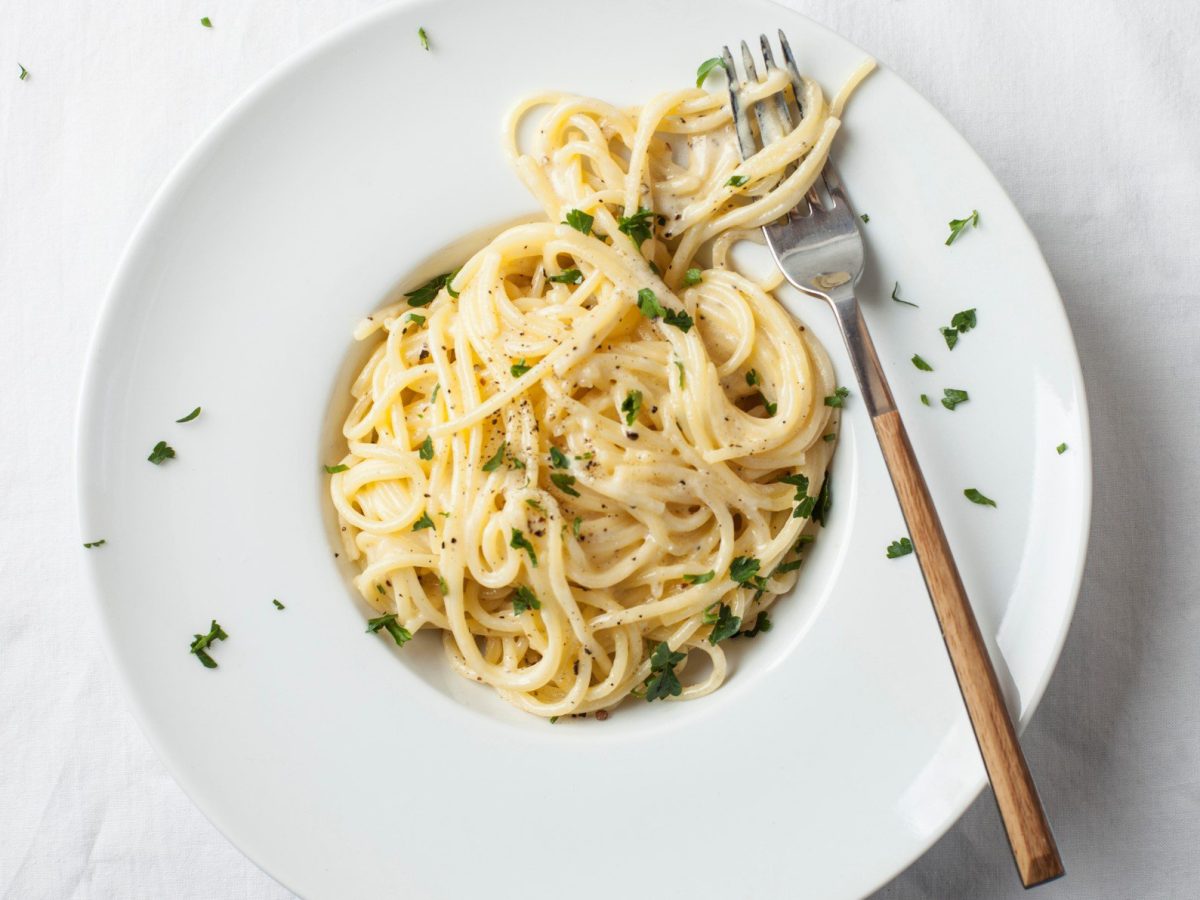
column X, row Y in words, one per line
column 1087, row 113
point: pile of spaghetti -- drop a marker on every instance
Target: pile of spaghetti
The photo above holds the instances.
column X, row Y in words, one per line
column 589, row 456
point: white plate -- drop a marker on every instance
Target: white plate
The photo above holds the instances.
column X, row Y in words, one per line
column 837, row 751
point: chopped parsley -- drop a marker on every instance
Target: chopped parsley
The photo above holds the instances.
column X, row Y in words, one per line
column 963, row 321
column 162, row 451
column 702, row 578
column 426, row 451
column 752, row 378
column 423, row 522
column 925, row 399
column 784, row 568
column 662, row 681
column 278, row 605
column 824, row 501
column 206, row 22
column 899, row 548
column 743, row 569
column 737, row 181
column 896, row 296
column 762, row 623
column 692, row 276
column 953, row 397
column 195, row 412
column 680, row 320
column 631, row 406
column 424, row 295
column 423, row 38
column 921, row 364
column 340, row 467
column 707, row 66
column 975, row 497
column 951, row 336
column 1061, row 448
column 726, row 626
column 203, row 641
column 494, row 463
column 525, row 599
column 829, row 438
column 388, row 623
column 437, row 386
column 24, row 72
column 567, row 276
column 519, row 368
column 415, row 317
column 838, row 398
column 90, row 544
column 682, row 374
column 565, row 483
column 865, row 217
column 580, row 221
column 639, row 226
column 558, row 459
column 957, row 226
column 520, row 542
column 576, row 525
column 804, row 503
column 648, row 305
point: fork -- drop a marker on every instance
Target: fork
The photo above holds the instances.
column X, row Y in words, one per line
column 819, row 249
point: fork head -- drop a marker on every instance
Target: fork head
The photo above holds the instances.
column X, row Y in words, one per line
column 817, row 244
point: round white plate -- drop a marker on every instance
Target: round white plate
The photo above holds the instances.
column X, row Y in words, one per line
column 837, row 751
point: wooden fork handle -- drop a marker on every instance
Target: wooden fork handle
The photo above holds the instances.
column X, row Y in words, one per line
column 1029, row 834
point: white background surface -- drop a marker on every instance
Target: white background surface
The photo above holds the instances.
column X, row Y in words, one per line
column 1087, row 113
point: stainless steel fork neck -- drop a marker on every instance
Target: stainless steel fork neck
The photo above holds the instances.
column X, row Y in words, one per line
column 876, row 394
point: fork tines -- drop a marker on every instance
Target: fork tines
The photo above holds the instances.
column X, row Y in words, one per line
column 768, row 128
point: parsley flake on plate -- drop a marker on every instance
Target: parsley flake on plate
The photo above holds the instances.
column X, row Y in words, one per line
column 1061, row 448
column 838, row 398
column 203, row 641
column 975, row 497
column 90, row 544
column 921, row 364
column 162, row 451
column 278, row 605
column 206, row 22
column 953, row 397
column 899, row 548
column 195, row 412
column 340, row 467
column 957, row 226
column 423, row 38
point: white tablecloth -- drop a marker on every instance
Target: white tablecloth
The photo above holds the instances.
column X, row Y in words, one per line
column 1089, row 114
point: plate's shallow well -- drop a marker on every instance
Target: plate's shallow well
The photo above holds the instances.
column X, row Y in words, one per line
column 347, row 768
